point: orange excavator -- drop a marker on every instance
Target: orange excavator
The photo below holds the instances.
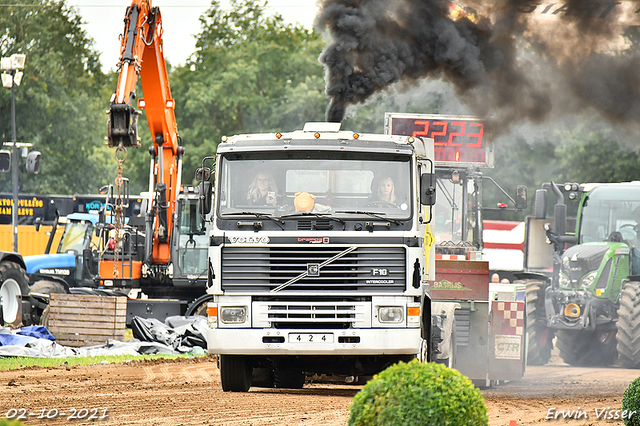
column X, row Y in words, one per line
column 163, row 251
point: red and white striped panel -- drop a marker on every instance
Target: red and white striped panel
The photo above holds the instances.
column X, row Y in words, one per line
column 504, row 245
column 451, row 257
column 512, row 314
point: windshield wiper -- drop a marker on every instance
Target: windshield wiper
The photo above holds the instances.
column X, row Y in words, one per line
column 275, row 220
column 380, row 216
column 316, row 215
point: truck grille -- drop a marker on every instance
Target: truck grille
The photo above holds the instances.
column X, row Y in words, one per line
column 320, row 315
column 296, row 268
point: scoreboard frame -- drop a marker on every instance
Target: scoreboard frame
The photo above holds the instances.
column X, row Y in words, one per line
column 459, row 140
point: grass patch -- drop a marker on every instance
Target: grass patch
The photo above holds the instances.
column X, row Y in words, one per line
column 16, row 363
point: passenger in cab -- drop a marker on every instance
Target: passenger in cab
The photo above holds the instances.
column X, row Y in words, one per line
column 263, row 190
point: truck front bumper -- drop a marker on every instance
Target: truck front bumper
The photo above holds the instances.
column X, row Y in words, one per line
column 243, row 341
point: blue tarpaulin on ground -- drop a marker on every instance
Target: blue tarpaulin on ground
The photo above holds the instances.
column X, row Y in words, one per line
column 179, row 335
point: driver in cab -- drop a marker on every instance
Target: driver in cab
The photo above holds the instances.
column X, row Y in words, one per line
column 385, row 193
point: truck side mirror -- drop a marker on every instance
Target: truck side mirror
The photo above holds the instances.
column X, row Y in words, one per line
column 521, row 197
column 428, row 189
column 203, row 174
column 204, row 206
column 38, row 223
column 540, row 209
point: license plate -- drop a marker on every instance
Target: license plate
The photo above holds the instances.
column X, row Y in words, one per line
column 311, row 338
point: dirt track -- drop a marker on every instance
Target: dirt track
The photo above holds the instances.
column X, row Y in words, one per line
column 187, row 392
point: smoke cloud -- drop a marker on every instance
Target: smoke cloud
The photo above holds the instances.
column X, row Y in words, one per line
column 513, row 60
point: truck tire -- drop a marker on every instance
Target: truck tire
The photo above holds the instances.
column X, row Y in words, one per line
column 628, row 335
column 540, row 337
column 199, row 306
column 14, row 285
column 288, row 379
column 587, row 349
column 236, row 372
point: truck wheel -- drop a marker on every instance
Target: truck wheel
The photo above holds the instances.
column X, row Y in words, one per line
column 199, row 306
column 14, row 285
column 540, row 337
column 236, row 372
column 587, row 349
column 288, row 379
column 628, row 335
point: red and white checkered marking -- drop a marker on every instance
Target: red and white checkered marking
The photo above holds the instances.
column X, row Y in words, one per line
column 451, row 257
column 514, row 312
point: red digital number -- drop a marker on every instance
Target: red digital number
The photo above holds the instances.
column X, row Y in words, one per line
column 443, row 132
column 463, row 127
column 476, row 135
column 424, row 132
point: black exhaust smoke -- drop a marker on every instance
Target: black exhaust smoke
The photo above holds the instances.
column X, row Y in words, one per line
column 501, row 63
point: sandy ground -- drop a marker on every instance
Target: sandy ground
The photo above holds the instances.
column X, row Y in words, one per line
column 188, row 392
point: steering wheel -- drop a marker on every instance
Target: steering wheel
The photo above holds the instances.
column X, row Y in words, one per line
column 380, row 203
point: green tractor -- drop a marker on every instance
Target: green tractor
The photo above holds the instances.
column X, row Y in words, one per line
column 593, row 300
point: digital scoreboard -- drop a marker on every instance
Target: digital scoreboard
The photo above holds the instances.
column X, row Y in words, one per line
column 460, row 140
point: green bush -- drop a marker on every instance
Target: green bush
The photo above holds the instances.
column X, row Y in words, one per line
column 418, row 393
column 7, row 422
column 631, row 402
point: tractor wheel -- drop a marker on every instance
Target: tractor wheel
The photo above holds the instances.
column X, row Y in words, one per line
column 587, row 349
column 13, row 286
column 628, row 336
column 236, row 372
column 540, row 337
column 199, row 306
column 288, row 379
column 48, row 287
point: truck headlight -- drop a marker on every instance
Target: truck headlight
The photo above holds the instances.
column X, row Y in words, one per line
column 393, row 314
column 589, row 279
column 233, row 314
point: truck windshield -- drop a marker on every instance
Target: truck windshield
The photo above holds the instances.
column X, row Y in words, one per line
column 317, row 183
column 608, row 209
column 76, row 236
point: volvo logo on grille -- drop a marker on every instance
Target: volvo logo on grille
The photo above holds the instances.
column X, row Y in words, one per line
column 313, row 270
column 249, row 240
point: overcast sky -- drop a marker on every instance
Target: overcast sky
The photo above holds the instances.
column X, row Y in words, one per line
column 104, row 22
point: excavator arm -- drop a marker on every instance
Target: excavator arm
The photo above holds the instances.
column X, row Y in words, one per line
column 141, row 57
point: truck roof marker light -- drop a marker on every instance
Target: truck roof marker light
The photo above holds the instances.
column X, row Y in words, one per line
column 356, row 135
column 278, row 135
column 316, row 135
column 223, row 139
column 410, row 139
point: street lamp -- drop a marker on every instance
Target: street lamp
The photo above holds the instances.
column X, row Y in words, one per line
column 10, row 79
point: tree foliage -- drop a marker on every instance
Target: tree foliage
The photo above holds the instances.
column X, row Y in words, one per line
column 59, row 102
column 250, row 73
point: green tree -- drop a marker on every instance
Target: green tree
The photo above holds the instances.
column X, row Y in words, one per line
column 59, row 104
column 250, row 73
